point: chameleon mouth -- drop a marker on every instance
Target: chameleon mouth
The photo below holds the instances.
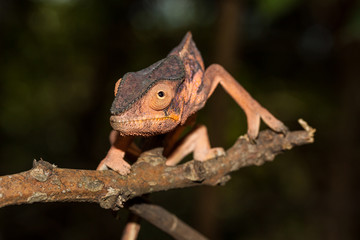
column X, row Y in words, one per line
column 126, row 125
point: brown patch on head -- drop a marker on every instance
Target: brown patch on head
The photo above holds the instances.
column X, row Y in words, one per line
column 133, row 86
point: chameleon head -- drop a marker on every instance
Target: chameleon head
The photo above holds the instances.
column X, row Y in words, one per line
column 158, row 98
column 146, row 102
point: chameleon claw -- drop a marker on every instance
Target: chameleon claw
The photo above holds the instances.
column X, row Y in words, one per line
column 281, row 128
column 284, row 130
column 251, row 140
column 253, row 132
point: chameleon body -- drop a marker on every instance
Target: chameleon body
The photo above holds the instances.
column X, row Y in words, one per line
column 161, row 98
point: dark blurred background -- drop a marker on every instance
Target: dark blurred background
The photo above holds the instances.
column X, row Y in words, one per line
column 59, row 60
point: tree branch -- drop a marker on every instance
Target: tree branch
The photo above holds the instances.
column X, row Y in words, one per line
column 48, row 183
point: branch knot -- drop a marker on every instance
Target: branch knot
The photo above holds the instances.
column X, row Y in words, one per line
column 195, row 171
column 41, row 170
column 112, row 199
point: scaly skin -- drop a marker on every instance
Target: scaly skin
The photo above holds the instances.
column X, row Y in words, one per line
column 160, row 98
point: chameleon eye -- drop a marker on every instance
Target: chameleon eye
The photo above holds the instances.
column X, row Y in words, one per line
column 117, row 86
column 161, row 96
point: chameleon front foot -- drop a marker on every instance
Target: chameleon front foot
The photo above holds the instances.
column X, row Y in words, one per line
column 216, row 74
column 255, row 114
column 115, row 161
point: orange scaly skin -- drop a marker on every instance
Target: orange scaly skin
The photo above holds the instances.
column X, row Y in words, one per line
column 160, row 99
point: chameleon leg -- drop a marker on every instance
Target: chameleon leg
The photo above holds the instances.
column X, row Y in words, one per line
column 197, row 141
column 172, row 138
column 115, row 156
column 216, row 74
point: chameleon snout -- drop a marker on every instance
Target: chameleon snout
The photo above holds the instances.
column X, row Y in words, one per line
column 115, row 123
column 142, row 125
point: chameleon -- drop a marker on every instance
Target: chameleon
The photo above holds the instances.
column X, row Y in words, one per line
column 164, row 97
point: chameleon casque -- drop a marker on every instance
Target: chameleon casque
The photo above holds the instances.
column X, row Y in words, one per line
column 162, row 98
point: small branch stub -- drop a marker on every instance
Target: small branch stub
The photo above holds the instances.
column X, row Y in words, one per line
column 308, row 129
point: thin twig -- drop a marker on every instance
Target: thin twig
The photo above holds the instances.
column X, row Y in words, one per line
column 166, row 221
column 132, row 227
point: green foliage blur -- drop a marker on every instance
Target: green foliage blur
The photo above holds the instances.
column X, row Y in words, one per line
column 60, row 59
